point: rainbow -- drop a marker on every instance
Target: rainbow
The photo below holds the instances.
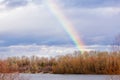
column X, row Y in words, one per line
column 66, row 24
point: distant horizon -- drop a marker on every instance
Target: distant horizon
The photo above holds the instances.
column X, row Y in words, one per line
column 46, row 50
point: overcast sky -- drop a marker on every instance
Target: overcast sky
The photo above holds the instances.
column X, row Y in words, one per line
column 31, row 22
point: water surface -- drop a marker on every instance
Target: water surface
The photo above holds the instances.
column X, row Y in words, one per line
column 67, row 77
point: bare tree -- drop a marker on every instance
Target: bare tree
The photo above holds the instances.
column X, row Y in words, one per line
column 116, row 44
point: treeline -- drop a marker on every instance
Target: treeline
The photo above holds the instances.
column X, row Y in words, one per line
column 76, row 63
column 88, row 63
column 26, row 65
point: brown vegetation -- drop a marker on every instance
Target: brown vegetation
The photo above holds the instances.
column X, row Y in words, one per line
column 88, row 63
column 26, row 65
column 77, row 63
column 8, row 71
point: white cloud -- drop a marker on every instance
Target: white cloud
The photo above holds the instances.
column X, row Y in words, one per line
column 2, row 7
column 29, row 20
column 107, row 11
column 37, row 20
column 38, row 50
column 99, row 21
column 97, row 11
column 1, row 1
column 44, row 51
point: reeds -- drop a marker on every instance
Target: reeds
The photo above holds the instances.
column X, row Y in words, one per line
column 87, row 63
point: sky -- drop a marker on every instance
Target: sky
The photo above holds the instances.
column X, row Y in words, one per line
column 31, row 22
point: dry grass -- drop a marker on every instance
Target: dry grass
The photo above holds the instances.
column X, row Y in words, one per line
column 9, row 73
column 77, row 63
column 88, row 63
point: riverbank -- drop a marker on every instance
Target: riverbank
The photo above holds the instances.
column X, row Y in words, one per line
column 87, row 63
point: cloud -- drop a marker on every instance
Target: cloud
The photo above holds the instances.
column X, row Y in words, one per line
column 43, row 50
column 2, row 41
column 106, row 11
column 31, row 21
column 95, row 21
column 18, row 3
column 90, row 3
column 15, row 3
column 30, row 50
column 64, row 3
column 98, row 39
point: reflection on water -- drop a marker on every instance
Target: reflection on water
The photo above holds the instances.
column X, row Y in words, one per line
column 66, row 77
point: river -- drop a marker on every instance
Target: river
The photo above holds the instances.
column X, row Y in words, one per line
column 69, row 77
